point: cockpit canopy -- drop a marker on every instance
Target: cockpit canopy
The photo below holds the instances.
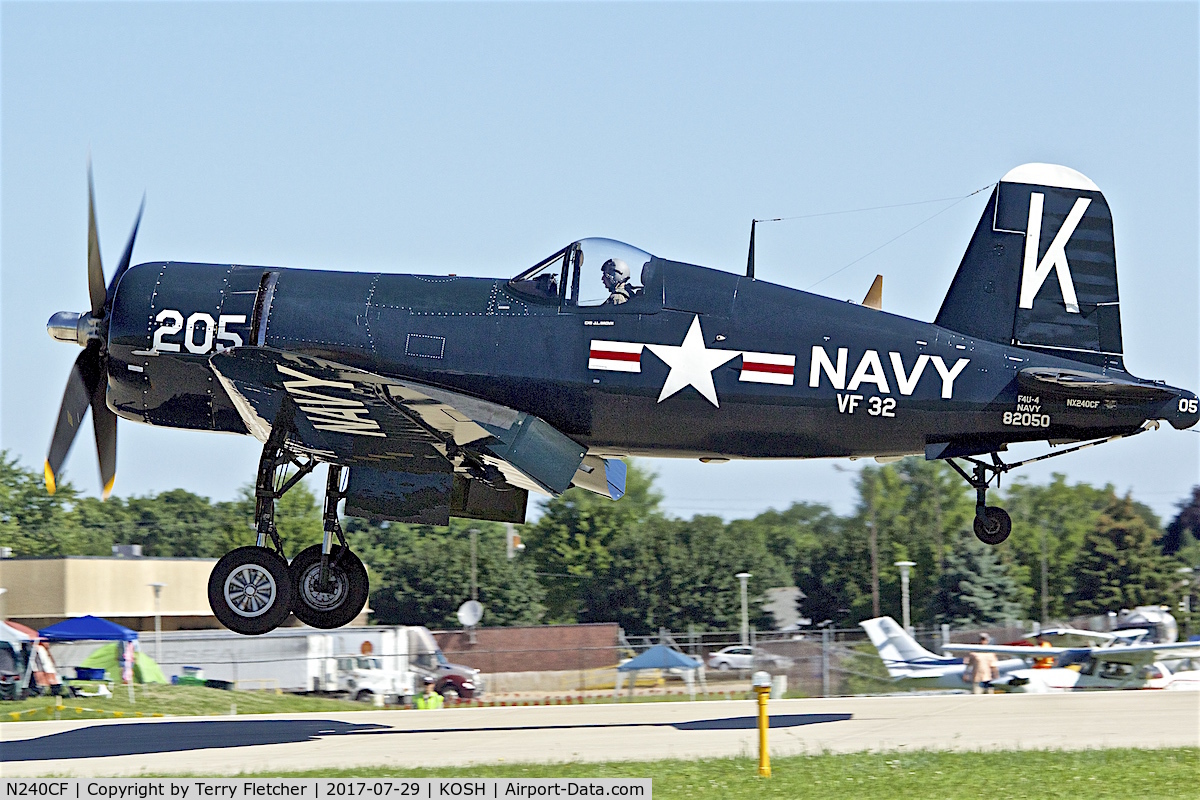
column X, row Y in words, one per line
column 575, row 275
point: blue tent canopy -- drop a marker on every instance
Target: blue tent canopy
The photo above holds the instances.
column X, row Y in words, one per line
column 659, row 657
column 88, row 628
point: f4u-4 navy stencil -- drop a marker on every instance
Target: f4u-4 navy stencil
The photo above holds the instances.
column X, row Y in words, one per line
column 1035, row 272
column 326, row 413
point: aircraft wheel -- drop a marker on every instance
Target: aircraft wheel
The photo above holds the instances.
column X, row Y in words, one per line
column 344, row 594
column 250, row 590
column 994, row 526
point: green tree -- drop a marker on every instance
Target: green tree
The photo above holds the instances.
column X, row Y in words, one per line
column 33, row 522
column 1050, row 523
column 676, row 573
column 906, row 511
column 1121, row 564
column 422, row 574
column 571, row 542
column 1186, row 522
column 976, row 588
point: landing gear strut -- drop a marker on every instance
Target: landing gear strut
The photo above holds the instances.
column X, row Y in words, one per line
column 252, row 589
column 331, row 582
column 992, row 524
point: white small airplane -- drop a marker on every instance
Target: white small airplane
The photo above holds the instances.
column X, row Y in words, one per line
column 906, row 659
column 1132, row 666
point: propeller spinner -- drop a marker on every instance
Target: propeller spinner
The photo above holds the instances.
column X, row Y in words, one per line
column 88, row 382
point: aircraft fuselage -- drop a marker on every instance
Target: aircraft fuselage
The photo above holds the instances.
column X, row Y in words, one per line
column 805, row 377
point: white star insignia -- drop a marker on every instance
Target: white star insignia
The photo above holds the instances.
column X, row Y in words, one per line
column 691, row 364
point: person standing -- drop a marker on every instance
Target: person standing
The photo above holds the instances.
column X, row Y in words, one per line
column 430, row 699
column 982, row 668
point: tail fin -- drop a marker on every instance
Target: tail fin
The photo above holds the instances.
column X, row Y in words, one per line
column 900, row 652
column 1041, row 218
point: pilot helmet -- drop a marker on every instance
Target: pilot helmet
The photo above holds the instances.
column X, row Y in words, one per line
column 614, row 271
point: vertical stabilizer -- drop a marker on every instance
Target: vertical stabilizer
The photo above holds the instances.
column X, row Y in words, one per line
column 1041, row 271
column 901, row 653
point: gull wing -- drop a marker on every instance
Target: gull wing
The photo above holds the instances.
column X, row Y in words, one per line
column 352, row 416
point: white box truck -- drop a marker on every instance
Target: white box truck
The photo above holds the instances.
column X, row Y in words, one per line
column 396, row 660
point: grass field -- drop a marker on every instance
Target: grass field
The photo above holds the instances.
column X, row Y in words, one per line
column 1040, row 775
column 171, row 700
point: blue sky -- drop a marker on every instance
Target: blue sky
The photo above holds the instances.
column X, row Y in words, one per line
column 478, row 138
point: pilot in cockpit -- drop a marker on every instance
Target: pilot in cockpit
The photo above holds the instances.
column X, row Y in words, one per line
column 615, row 274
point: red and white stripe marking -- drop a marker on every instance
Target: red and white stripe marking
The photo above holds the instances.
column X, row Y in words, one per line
column 768, row 368
column 616, row 356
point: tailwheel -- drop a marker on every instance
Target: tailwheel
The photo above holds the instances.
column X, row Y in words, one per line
column 336, row 600
column 992, row 526
column 250, row 590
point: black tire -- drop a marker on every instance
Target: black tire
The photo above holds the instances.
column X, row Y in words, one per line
column 364, row 696
column 346, row 592
column 723, row 666
column 450, row 692
column 250, row 590
column 994, row 527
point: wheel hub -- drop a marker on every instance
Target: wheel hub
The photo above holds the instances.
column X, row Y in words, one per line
column 250, row 591
column 328, row 596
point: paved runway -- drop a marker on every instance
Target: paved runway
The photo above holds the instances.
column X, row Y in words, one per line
column 214, row 746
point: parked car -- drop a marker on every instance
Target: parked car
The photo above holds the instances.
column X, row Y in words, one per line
column 451, row 681
column 742, row 657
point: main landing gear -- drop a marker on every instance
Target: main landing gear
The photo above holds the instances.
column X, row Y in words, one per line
column 253, row 589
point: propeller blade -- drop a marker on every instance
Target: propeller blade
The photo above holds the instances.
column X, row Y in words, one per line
column 125, row 257
column 104, row 422
column 76, row 399
column 96, row 289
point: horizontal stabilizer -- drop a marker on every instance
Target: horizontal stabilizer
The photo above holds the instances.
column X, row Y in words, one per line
column 1090, row 385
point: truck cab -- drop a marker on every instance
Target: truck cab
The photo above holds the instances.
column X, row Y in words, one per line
column 364, row 678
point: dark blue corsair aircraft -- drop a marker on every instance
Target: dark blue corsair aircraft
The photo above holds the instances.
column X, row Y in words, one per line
column 434, row 396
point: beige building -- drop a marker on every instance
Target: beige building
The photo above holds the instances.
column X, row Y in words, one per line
column 43, row 591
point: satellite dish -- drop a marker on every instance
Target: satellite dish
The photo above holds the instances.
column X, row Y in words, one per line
column 469, row 613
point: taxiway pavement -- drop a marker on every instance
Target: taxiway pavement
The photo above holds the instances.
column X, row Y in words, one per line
column 224, row 746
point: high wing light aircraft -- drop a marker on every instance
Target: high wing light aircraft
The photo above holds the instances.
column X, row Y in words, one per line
column 431, row 396
column 1133, row 666
column 906, row 659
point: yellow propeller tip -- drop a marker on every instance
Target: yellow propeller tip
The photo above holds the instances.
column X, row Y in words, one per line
column 108, row 487
column 50, row 486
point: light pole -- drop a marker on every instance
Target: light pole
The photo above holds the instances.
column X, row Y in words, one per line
column 905, row 566
column 157, row 587
column 744, row 577
column 474, row 582
column 1185, row 602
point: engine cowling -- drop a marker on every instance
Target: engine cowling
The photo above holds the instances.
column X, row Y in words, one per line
column 167, row 319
